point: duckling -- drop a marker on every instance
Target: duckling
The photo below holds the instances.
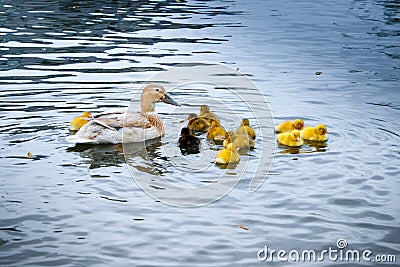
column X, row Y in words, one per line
column 288, row 126
column 216, row 132
column 245, row 129
column 196, row 124
column 228, row 138
column 292, row 139
column 79, row 121
column 242, row 142
column 317, row 133
column 188, row 143
column 228, row 155
column 205, row 113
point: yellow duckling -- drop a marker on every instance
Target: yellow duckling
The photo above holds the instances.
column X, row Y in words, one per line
column 216, row 132
column 196, row 124
column 288, row 126
column 79, row 121
column 242, row 142
column 292, row 139
column 317, row 133
column 205, row 113
column 245, row 129
column 228, row 155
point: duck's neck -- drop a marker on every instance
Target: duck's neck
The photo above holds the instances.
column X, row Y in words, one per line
column 147, row 106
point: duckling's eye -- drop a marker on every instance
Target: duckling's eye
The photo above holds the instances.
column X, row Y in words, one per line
column 157, row 89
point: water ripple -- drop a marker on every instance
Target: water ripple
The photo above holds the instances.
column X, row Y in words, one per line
column 64, row 205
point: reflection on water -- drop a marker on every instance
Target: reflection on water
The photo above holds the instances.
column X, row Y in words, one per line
column 100, row 155
column 308, row 147
column 78, row 205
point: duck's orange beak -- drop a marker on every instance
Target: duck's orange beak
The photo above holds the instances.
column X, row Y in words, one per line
column 167, row 99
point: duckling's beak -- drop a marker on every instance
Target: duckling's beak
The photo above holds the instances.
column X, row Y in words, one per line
column 167, row 99
column 298, row 139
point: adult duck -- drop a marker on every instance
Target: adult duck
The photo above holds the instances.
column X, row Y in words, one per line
column 125, row 126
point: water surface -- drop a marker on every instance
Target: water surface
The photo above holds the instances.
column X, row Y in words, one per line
column 79, row 206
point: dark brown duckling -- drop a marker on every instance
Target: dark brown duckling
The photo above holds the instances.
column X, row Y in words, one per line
column 188, row 143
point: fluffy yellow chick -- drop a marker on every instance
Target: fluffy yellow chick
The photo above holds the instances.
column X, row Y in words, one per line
column 196, row 124
column 317, row 133
column 205, row 113
column 292, row 139
column 245, row 129
column 228, row 155
column 79, row 121
column 288, row 126
column 216, row 132
column 241, row 141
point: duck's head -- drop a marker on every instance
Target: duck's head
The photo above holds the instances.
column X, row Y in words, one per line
column 295, row 135
column 321, row 129
column 245, row 122
column 185, row 131
column 152, row 94
column 215, row 124
column 299, row 124
column 204, row 109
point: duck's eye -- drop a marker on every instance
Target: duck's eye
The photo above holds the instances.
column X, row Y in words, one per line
column 157, row 89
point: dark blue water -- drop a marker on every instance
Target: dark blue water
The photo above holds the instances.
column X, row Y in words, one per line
column 79, row 206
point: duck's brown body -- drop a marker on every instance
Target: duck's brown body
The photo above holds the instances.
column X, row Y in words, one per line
column 124, row 126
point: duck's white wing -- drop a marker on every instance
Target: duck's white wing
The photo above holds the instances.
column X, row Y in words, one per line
column 96, row 132
column 115, row 128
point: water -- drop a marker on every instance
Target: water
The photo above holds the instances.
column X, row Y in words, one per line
column 79, row 206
